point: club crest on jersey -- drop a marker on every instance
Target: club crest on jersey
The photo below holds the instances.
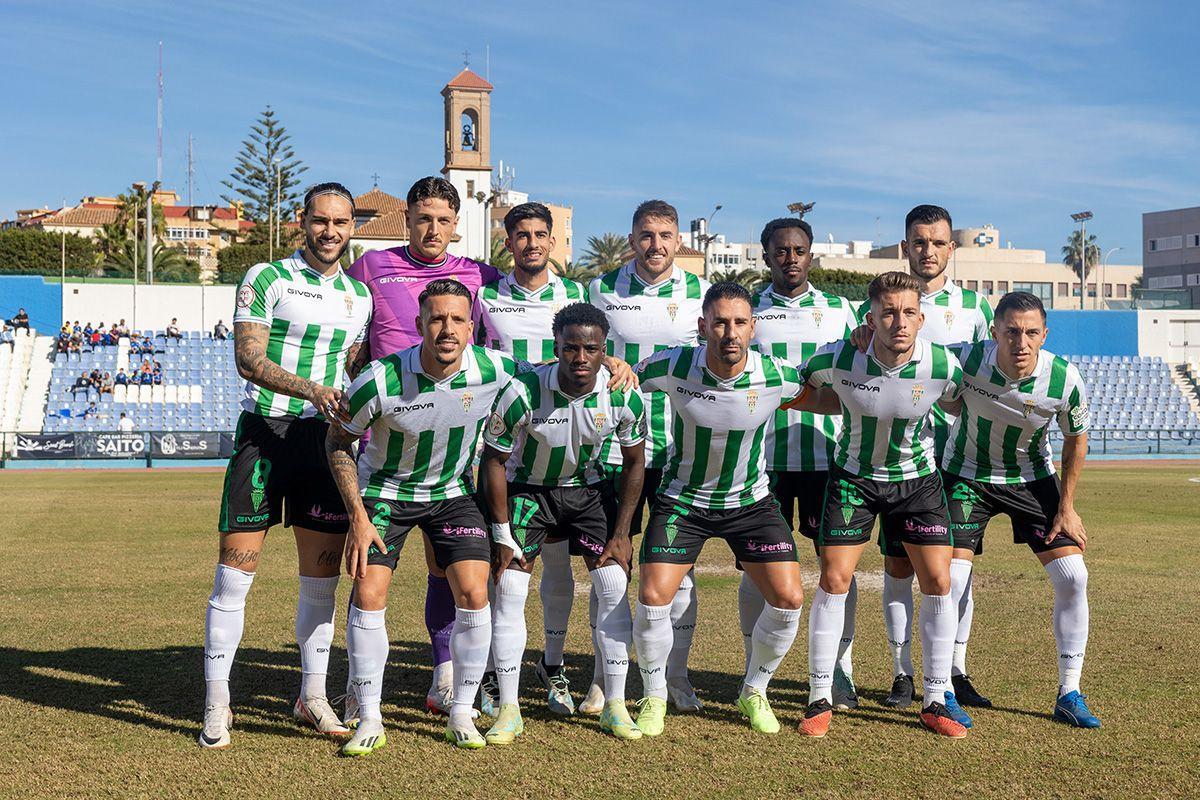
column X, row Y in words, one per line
column 918, row 392
column 949, row 317
column 752, row 399
column 245, row 296
column 555, row 308
column 467, row 397
column 349, row 305
column 496, row 424
column 672, row 310
column 817, row 316
column 600, row 418
column 1028, row 409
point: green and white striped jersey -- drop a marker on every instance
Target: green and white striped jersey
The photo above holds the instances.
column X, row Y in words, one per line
column 314, row 319
column 555, row 439
column 718, row 426
column 423, row 431
column 885, row 435
column 516, row 321
column 644, row 319
column 1000, row 437
column 792, row 328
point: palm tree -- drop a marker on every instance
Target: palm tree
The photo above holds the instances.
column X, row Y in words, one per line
column 749, row 278
column 575, row 271
column 170, row 264
column 605, row 252
column 1070, row 257
column 499, row 257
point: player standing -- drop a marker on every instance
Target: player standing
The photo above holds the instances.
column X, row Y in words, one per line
column 792, row 318
column 298, row 321
column 549, row 426
column 425, row 407
column 998, row 461
column 515, row 316
column 651, row 305
column 723, row 395
column 884, row 465
column 397, row 277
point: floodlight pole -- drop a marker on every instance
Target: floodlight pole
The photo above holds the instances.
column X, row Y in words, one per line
column 1082, row 217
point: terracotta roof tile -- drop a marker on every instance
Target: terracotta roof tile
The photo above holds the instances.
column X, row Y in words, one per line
column 469, row 80
column 393, row 225
column 378, row 202
column 86, row 216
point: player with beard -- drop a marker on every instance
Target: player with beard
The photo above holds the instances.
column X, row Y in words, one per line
column 298, row 322
column 397, row 277
column 651, row 305
column 425, row 408
column 792, row 318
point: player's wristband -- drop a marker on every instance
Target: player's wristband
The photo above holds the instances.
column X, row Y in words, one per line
column 502, row 535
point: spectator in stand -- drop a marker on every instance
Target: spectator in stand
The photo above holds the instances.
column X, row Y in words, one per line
column 6, row 335
column 147, row 347
column 220, row 332
column 157, row 367
column 75, row 328
column 114, row 335
column 64, row 341
column 94, row 339
column 94, row 376
column 21, row 320
column 122, row 379
column 91, row 412
column 106, row 383
column 82, row 384
column 87, row 332
column 156, row 377
column 125, row 424
column 146, row 378
column 121, row 328
column 173, row 329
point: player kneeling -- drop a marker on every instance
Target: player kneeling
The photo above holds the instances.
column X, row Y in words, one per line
column 544, row 482
column 425, row 408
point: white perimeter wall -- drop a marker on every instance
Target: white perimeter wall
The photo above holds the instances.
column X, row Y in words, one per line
column 1174, row 335
column 197, row 307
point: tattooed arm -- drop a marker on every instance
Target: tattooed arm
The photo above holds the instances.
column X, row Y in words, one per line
column 250, row 352
column 339, row 450
column 357, row 357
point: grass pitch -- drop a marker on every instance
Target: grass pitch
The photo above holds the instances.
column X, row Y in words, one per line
column 105, row 576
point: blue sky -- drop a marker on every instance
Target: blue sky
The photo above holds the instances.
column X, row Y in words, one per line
column 1013, row 114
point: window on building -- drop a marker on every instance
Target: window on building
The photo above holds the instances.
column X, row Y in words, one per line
column 1108, row 290
column 1062, row 288
column 1002, row 287
column 987, row 287
column 1122, row 290
column 1166, row 243
column 471, row 189
column 973, row 286
column 1043, row 291
column 1194, row 240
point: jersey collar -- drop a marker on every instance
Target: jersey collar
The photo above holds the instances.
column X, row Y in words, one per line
column 752, row 364
column 413, row 258
column 918, row 354
column 675, row 277
column 465, row 365
column 799, row 299
column 517, row 290
column 989, row 358
column 303, row 266
column 602, row 379
column 950, row 289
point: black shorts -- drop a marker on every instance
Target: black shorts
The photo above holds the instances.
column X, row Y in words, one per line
column 583, row 515
column 278, row 471
column 1031, row 507
column 650, row 488
column 801, row 497
column 455, row 528
column 755, row 533
column 912, row 511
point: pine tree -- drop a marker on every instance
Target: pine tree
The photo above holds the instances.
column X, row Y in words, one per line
column 253, row 179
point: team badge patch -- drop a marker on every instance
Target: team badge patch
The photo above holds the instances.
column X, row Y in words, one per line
column 246, row 296
column 496, row 424
column 752, row 399
column 1028, row 409
column 349, row 305
column 600, row 418
column 817, row 316
column 555, row 308
column 467, row 398
column 918, row 392
column 672, row 310
column 949, row 317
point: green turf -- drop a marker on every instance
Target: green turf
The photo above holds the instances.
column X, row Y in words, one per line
column 103, row 586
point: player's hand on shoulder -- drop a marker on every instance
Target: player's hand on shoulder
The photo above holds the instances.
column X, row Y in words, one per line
column 860, row 337
column 623, row 376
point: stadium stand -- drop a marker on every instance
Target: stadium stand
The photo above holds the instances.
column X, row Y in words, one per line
column 24, row 373
column 200, row 390
column 1132, row 396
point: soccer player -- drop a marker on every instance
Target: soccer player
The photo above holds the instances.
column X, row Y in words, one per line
column 425, row 407
column 397, row 277
column 515, row 315
column 884, row 464
column 952, row 315
column 651, row 305
column 545, row 482
column 298, row 321
column 998, row 461
column 792, row 318
column 723, row 395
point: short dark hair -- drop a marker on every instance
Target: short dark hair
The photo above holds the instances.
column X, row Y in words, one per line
column 329, row 187
column 1020, row 301
column 434, row 188
column 890, row 282
column 725, row 290
column 527, row 211
column 783, row 223
column 442, row 287
column 656, row 208
column 579, row 314
column 926, row 215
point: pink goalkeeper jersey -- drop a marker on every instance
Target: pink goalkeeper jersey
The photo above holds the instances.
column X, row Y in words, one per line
column 396, row 279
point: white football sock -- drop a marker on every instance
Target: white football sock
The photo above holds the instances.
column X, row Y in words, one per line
column 897, row 620
column 558, row 594
column 652, row 635
column 683, row 626
column 845, row 656
column 367, row 647
column 960, row 593
column 469, row 645
column 1069, row 576
column 223, row 626
column 825, row 620
column 773, row 636
column 614, row 627
column 597, row 661
column 314, row 632
column 937, row 645
column 750, row 608
column 509, row 632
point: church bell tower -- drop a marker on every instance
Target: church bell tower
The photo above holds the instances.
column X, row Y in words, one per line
column 468, row 137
